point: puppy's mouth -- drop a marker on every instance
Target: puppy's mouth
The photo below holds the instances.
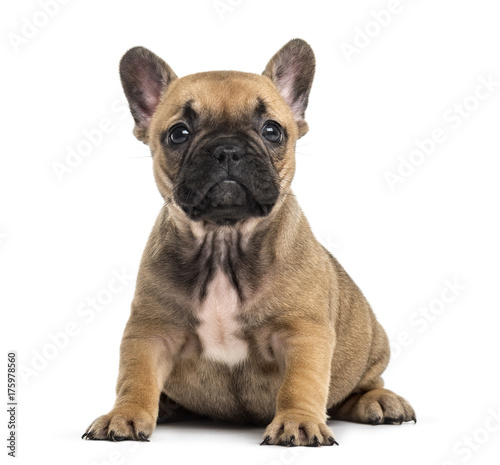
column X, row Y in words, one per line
column 226, row 203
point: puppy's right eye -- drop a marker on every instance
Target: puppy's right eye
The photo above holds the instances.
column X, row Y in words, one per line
column 178, row 134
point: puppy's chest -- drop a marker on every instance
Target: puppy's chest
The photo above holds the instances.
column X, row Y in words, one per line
column 220, row 330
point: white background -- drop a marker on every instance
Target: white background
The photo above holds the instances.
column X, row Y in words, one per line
column 62, row 239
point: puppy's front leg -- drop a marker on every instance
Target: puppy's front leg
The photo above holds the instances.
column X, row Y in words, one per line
column 300, row 417
column 145, row 362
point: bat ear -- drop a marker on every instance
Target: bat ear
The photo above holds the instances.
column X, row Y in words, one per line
column 292, row 72
column 144, row 77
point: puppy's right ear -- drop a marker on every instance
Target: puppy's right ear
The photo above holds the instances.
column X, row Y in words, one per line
column 144, row 77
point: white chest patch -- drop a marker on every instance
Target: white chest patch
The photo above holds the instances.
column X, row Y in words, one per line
column 219, row 327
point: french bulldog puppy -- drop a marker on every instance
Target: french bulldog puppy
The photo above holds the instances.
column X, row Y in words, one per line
column 239, row 313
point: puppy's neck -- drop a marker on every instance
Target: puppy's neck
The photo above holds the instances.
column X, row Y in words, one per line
column 190, row 254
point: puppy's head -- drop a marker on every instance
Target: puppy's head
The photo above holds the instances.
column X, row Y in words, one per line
column 223, row 142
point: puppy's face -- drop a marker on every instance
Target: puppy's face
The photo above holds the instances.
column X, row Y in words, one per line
column 222, row 142
column 225, row 142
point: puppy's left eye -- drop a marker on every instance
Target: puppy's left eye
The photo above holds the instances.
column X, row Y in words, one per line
column 272, row 132
column 178, row 134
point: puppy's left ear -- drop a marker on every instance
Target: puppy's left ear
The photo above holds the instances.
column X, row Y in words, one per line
column 145, row 77
column 292, row 72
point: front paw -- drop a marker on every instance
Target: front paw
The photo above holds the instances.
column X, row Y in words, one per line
column 296, row 429
column 128, row 421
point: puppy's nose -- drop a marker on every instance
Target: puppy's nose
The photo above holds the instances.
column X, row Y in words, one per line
column 228, row 155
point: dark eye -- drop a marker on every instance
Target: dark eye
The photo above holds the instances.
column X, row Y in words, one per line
column 272, row 132
column 178, row 134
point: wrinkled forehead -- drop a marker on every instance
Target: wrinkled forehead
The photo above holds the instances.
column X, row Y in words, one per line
column 222, row 95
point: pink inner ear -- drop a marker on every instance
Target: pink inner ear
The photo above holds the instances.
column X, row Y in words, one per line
column 150, row 102
column 286, row 85
column 150, row 84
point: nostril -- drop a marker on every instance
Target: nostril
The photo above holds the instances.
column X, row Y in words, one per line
column 228, row 154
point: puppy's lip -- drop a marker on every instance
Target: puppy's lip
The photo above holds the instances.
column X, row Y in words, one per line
column 226, row 203
column 226, row 183
column 227, row 193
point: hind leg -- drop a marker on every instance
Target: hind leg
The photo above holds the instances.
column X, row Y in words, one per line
column 369, row 402
column 375, row 407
